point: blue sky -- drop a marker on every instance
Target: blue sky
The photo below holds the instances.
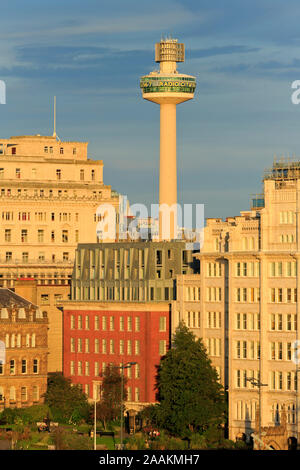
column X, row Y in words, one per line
column 245, row 55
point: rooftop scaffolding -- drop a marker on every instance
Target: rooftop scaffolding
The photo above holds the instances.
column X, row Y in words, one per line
column 283, row 169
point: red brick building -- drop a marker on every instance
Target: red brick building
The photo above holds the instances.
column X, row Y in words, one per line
column 99, row 333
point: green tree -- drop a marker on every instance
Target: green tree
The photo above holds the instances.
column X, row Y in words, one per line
column 65, row 399
column 189, row 394
column 109, row 408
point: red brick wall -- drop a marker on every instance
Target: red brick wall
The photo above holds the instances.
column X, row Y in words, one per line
column 149, row 337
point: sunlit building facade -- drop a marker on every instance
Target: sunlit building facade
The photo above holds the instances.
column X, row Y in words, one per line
column 49, row 193
column 244, row 303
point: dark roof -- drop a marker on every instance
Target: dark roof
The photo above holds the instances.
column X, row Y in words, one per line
column 9, row 299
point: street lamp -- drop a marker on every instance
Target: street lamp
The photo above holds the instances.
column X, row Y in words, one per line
column 123, row 366
column 95, row 416
column 257, row 383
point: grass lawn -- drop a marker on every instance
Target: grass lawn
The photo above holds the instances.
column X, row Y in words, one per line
column 108, row 441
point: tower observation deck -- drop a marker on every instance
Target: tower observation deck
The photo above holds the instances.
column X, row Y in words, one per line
column 167, row 87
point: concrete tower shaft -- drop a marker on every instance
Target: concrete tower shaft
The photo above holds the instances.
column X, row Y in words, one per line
column 167, row 87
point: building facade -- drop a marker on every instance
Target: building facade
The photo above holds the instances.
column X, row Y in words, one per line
column 97, row 334
column 23, row 365
column 130, row 271
column 49, row 192
column 119, row 311
column 48, row 297
column 246, row 303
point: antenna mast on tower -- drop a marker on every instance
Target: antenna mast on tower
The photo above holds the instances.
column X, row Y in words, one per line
column 54, row 123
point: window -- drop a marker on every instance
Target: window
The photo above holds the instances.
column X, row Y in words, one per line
column 61, row 150
column 35, row 393
column 12, row 367
column 18, row 173
column 111, row 323
column 35, row 366
column 129, row 324
column 24, row 366
column 137, row 323
column 162, row 323
column 65, row 236
column 7, row 235
column 23, row 393
column 214, row 320
column 93, row 175
column 40, row 236
column 24, row 236
column 121, row 323
column 81, row 175
column 72, row 347
column 137, row 347
column 8, row 256
column 162, row 347
column 12, row 394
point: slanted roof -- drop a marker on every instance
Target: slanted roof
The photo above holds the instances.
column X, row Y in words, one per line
column 9, row 299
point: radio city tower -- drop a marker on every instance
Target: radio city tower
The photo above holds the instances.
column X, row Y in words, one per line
column 167, row 87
